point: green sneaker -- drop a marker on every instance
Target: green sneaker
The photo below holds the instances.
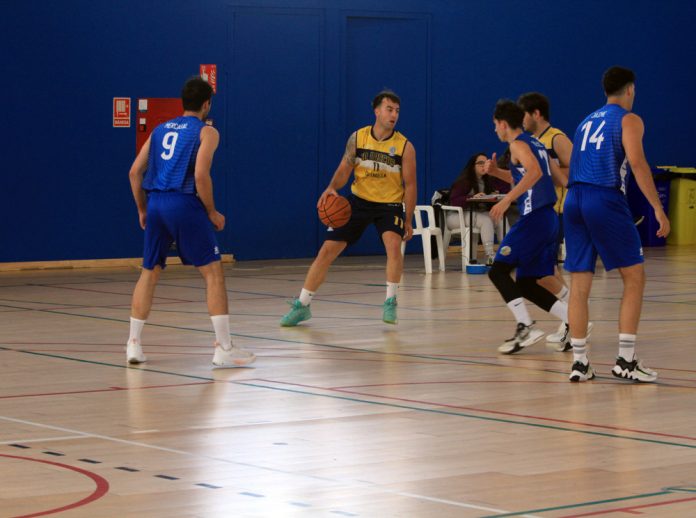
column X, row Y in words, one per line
column 297, row 314
column 389, row 311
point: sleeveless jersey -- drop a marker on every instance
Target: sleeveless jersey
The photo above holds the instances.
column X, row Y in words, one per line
column 172, row 160
column 542, row 192
column 546, row 138
column 598, row 155
column 377, row 167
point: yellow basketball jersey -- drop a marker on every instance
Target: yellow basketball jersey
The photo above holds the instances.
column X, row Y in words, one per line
column 377, row 167
column 546, row 138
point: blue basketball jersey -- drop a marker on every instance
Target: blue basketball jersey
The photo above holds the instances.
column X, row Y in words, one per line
column 173, row 150
column 542, row 192
column 598, row 156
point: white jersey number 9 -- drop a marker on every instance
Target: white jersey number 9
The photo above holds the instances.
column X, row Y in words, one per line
column 168, row 143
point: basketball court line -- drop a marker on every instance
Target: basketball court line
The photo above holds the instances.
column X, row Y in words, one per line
column 101, row 486
column 482, row 410
column 380, row 403
column 599, row 502
column 284, row 340
column 45, row 439
column 435, row 359
column 342, row 302
column 355, row 484
column 108, row 389
column 516, row 514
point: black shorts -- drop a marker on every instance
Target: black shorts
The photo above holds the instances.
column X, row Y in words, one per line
column 385, row 216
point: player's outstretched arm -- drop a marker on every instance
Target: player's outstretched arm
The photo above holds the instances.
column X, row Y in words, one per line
column 210, row 139
column 520, row 152
column 632, row 140
column 491, row 168
column 135, row 175
column 408, row 169
column 342, row 173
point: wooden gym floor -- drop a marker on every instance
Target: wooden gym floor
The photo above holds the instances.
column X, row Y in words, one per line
column 343, row 416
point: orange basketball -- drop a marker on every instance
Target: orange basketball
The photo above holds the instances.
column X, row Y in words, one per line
column 335, row 211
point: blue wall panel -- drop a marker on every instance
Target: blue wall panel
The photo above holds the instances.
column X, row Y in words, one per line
column 292, row 87
column 274, row 133
column 387, row 52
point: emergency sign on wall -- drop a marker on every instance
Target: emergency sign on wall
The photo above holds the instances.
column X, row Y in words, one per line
column 122, row 112
column 209, row 73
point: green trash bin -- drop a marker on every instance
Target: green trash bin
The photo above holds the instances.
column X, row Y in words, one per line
column 682, row 207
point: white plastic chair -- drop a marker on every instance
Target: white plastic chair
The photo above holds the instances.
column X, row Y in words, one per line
column 426, row 232
column 463, row 230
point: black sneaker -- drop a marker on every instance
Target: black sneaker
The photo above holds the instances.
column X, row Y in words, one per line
column 634, row 370
column 581, row 372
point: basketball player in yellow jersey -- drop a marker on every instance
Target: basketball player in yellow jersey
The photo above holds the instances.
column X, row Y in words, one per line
column 559, row 147
column 383, row 162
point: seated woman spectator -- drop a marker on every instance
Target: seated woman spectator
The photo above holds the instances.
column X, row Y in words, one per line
column 472, row 183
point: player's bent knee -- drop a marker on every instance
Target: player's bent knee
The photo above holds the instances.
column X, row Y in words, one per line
column 330, row 250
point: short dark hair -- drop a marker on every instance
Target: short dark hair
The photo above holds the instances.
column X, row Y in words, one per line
column 385, row 94
column 532, row 101
column 615, row 79
column 195, row 92
column 510, row 112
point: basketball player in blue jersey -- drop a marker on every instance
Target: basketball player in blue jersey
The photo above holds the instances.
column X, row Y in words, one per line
column 536, row 121
column 530, row 245
column 599, row 222
column 175, row 203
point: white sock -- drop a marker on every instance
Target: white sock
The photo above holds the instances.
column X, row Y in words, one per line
column 392, row 289
column 221, row 324
column 306, row 297
column 519, row 309
column 560, row 310
column 136, row 328
column 488, row 249
column 563, row 294
column 579, row 350
column 627, row 344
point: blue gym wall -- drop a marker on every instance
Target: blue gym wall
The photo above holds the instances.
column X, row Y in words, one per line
column 295, row 78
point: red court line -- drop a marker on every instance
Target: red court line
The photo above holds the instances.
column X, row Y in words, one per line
column 110, row 389
column 486, row 411
column 632, row 509
column 101, row 489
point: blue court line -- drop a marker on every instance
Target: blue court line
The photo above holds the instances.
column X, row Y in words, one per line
column 329, row 346
column 378, row 403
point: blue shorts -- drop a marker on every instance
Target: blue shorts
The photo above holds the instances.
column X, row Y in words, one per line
column 385, row 216
column 180, row 217
column 531, row 243
column 597, row 220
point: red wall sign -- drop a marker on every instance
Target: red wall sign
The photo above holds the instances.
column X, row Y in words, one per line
column 122, row 112
column 209, row 73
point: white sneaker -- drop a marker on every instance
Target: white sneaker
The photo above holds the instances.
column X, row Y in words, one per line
column 134, row 352
column 561, row 335
column 633, row 370
column 234, row 357
column 524, row 337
